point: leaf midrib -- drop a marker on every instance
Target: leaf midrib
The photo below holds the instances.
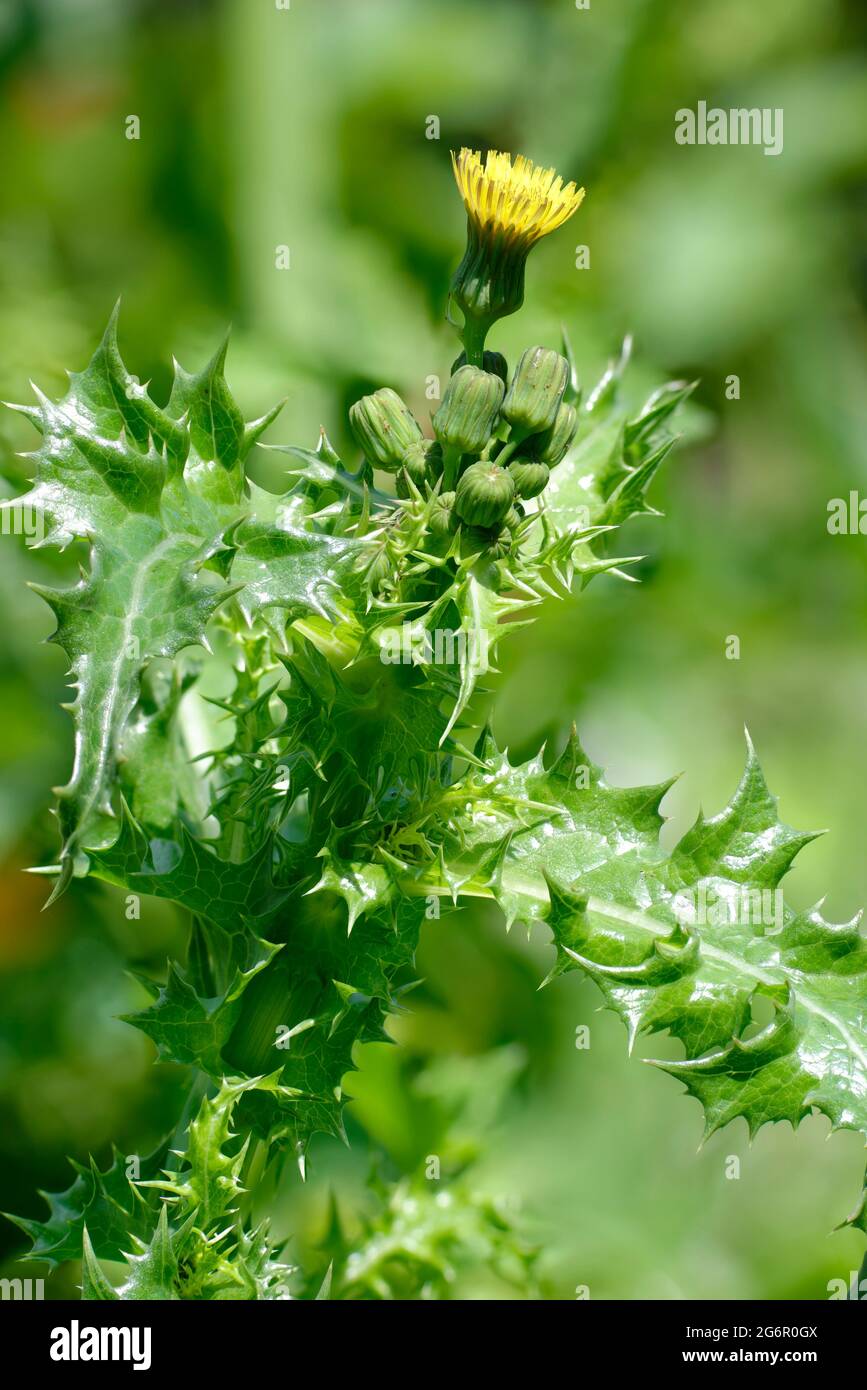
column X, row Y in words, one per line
column 134, row 610
column 634, row 918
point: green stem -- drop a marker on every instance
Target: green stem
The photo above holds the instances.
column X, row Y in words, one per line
column 253, row 1171
column 515, row 440
column 198, row 1090
column 473, row 335
column 451, row 463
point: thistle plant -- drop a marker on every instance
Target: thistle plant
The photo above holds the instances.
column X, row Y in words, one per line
column 354, row 789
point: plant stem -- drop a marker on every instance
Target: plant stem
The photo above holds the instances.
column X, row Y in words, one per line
column 515, row 440
column 473, row 335
column 451, row 462
column 255, row 1165
column 198, row 1089
column 506, row 452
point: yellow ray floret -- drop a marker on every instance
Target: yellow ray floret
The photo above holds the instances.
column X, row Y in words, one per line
column 520, row 201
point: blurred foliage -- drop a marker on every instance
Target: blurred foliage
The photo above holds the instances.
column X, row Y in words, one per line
column 306, row 128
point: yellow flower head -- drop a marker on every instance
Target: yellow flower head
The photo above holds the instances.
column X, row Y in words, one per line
column 520, row 201
column 510, row 206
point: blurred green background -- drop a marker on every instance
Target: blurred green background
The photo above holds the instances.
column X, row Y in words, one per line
column 307, row 128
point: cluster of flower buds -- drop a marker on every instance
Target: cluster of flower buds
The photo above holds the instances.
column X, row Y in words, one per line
column 495, row 439
column 495, row 443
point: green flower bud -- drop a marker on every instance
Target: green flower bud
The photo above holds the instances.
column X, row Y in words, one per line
column 433, row 452
column 414, row 460
column 469, row 410
column 484, row 494
column 443, row 519
column 494, row 362
column 529, row 477
column 534, row 397
column 414, row 466
column 474, row 539
column 553, row 444
column 512, row 519
column 384, row 428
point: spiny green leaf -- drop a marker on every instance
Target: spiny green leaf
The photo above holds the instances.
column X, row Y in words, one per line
column 112, row 1207
column 604, row 478
column 189, row 1028
column 153, row 1271
column 209, row 1184
column 283, row 561
column 127, row 477
column 191, row 873
column 95, row 1287
column 154, row 764
column 325, row 992
column 694, row 943
column 423, row 1238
